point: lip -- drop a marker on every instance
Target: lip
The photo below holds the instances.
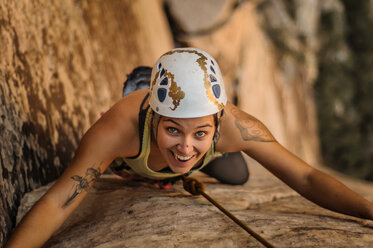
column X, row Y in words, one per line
column 178, row 163
column 186, row 161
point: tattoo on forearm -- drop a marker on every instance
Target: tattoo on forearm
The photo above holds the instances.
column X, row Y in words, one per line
column 83, row 183
column 251, row 128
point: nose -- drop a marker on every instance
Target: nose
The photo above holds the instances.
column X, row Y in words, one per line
column 185, row 146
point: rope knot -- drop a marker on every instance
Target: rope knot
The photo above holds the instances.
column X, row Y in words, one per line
column 193, row 186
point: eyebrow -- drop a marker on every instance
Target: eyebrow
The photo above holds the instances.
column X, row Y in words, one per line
column 170, row 120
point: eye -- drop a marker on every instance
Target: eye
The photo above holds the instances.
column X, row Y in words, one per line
column 201, row 134
column 172, row 130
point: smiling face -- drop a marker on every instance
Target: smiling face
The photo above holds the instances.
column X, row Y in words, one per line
column 184, row 141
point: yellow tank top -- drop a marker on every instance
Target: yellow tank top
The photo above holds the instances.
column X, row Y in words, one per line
column 139, row 164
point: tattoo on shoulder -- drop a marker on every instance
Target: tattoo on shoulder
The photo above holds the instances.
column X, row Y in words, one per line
column 251, row 128
column 83, row 183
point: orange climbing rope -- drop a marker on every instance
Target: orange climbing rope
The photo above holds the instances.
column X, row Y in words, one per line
column 195, row 187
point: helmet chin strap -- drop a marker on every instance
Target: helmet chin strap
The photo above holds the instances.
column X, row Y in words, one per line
column 217, row 118
column 155, row 123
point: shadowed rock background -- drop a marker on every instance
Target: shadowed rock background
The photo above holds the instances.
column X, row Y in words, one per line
column 63, row 62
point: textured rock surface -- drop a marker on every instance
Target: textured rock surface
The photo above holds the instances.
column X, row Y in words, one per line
column 117, row 213
column 62, row 63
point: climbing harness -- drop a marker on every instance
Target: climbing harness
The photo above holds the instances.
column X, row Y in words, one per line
column 195, row 187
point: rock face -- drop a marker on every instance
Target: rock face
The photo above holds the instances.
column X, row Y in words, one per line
column 62, row 63
column 119, row 213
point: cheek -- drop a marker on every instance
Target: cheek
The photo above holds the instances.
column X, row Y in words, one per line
column 204, row 145
column 165, row 141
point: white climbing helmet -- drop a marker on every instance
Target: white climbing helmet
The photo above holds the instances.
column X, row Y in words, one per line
column 187, row 83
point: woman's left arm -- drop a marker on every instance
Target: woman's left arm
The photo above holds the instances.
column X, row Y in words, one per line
column 249, row 135
column 311, row 183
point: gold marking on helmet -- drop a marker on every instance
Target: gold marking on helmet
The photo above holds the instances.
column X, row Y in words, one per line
column 154, row 80
column 175, row 91
column 153, row 83
column 202, row 63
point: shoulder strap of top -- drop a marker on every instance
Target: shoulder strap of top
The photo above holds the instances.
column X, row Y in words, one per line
column 142, row 117
column 143, row 102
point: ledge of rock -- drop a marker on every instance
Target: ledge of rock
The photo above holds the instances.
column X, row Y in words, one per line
column 119, row 213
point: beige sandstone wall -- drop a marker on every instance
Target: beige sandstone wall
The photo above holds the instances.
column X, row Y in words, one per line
column 137, row 215
column 61, row 64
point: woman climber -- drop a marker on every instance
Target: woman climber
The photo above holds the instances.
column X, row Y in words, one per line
column 181, row 124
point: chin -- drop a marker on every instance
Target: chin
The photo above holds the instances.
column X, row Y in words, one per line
column 180, row 170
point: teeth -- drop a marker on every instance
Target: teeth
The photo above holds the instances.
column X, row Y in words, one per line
column 182, row 158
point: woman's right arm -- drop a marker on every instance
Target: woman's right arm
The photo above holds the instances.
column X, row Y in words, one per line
column 107, row 139
column 243, row 132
